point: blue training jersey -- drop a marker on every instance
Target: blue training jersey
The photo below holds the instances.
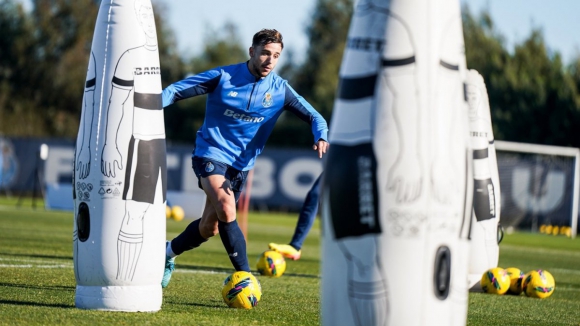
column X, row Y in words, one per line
column 241, row 111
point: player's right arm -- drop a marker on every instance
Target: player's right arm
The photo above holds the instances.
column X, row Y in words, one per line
column 195, row 85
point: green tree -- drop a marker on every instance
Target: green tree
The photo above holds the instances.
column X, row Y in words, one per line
column 533, row 97
column 17, row 104
column 172, row 65
column 43, row 72
column 486, row 53
column 544, row 108
column 317, row 78
column 63, row 38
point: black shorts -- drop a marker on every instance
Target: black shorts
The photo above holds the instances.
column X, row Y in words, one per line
column 204, row 167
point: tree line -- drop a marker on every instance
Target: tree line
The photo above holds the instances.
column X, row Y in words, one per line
column 534, row 95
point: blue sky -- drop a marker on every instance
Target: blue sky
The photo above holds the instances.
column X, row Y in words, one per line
column 515, row 19
column 194, row 20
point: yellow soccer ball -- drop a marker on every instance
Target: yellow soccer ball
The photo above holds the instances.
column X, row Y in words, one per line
column 241, row 290
column 177, row 213
column 271, row 263
column 543, row 228
column 516, row 278
column 539, row 284
column 167, row 211
column 495, row 280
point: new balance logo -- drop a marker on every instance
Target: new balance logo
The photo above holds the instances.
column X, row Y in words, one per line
column 243, row 117
column 233, row 94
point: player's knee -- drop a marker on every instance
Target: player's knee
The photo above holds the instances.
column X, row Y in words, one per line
column 227, row 211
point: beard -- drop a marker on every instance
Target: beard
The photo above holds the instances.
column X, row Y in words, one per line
column 256, row 69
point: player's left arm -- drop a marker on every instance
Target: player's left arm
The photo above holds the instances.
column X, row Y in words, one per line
column 296, row 104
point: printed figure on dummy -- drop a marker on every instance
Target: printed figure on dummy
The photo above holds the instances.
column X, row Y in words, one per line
column 350, row 193
column 395, row 183
column 486, row 231
column 146, row 163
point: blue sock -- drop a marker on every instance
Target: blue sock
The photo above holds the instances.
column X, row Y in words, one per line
column 235, row 244
column 188, row 239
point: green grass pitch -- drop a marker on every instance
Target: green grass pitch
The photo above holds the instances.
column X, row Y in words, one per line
column 37, row 284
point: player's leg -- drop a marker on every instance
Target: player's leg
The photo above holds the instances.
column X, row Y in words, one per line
column 222, row 185
column 305, row 221
column 196, row 233
column 192, row 237
column 223, row 192
column 307, row 215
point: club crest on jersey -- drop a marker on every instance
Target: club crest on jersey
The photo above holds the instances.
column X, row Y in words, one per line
column 209, row 167
column 267, row 101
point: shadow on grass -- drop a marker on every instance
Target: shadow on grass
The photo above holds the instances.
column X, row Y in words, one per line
column 36, row 256
column 221, row 270
column 36, row 304
column 38, row 287
column 193, row 304
column 301, row 275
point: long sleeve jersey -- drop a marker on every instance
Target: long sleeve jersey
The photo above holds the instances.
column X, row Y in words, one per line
column 241, row 111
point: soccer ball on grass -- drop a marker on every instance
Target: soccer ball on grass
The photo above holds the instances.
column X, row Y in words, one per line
column 516, row 279
column 538, row 284
column 241, row 290
column 495, row 281
column 271, row 263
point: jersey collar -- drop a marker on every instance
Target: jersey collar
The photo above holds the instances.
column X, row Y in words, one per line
column 248, row 74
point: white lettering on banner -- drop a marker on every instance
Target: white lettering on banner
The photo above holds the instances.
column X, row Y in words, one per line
column 263, row 183
column 549, row 200
column 59, row 163
column 290, row 173
column 269, row 177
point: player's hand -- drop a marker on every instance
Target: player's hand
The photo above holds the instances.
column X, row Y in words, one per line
column 321, row 146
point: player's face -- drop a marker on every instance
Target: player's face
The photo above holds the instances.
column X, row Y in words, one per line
column 147, row 20
column 263, row 58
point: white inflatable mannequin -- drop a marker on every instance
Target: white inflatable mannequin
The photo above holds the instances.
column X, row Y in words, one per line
column 484, row 248
column 350, row 193
column 395, row 182
column 120, row 165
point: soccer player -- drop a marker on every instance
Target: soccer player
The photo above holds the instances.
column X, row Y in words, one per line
column 303, row 226
column 244, row 101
